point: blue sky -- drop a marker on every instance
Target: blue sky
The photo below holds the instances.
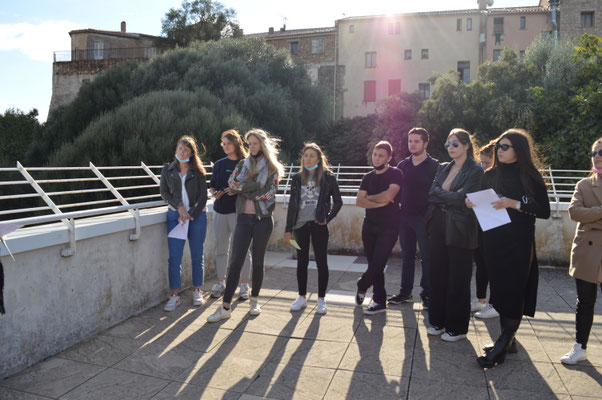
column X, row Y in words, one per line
column 30, row 31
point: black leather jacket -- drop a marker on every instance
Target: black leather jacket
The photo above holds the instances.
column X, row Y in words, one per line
column 328, row 188
column 461, row 228
column 171, row 189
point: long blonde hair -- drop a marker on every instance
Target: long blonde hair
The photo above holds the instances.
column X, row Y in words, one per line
column 323, row 165
column 269, row 147
column 195, row 158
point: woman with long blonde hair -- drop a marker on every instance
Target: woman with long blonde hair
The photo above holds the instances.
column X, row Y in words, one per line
column 309, row 212
column 255, row 181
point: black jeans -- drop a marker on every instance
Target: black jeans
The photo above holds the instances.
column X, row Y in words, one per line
column 378, row 245
column 319, row 240
column 586, row 299
column 451, row 269
column 481, row 275
column 412, row 229
column 248, row 228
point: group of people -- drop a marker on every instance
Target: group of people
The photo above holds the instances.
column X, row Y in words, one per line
column 420, row 202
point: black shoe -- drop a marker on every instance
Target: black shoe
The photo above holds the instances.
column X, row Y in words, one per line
column 399, row 298
column 375, row 308
column 359, row 297
column 497, row 354
column 513, row 348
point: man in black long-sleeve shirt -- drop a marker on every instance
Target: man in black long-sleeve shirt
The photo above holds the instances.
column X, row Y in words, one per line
column 419, row 170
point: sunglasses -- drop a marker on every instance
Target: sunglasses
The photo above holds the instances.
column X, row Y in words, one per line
column 454, row 143
column 594, row 153
column 504, row 147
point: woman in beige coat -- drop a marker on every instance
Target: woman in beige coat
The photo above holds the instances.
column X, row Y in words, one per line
column 586, row 256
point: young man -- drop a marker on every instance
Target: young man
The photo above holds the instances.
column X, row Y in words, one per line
column 419, row 170
column 379, row 195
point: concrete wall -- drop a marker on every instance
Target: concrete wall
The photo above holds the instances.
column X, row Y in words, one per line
column 54, row 302
column 514, row 37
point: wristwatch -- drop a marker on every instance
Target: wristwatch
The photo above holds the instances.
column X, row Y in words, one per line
column 517, row 205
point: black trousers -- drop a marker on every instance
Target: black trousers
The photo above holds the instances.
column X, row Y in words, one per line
column 378, row 245
column 318, row 234
column 481, row 275
column 451, row 269
column 586, row 299
column 248, row 228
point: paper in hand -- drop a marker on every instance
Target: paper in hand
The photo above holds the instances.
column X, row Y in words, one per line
column 488, row 216
column 294, row 243
column 180, row 231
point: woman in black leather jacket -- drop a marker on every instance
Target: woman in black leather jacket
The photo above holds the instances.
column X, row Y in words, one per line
column 309, row 212
column 453, row 235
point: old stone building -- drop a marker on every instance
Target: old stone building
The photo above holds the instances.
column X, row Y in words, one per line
column 578, row 17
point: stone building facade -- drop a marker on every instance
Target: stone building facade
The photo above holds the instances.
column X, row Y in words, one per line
column 580, row 16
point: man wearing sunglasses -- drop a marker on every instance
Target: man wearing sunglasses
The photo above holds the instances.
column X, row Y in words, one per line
column 418, row 170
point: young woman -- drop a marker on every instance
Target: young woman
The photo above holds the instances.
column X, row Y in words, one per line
column 479, row 303
column 510, row 249
column 224, row 212
column 255, row 180
column 309, row 212
column 586, row 256
column 184, row 188
column 453, row 235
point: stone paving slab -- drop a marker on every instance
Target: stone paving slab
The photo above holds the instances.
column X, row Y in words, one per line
column 344, row 354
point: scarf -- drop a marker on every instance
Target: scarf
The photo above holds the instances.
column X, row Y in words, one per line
column 261, row 177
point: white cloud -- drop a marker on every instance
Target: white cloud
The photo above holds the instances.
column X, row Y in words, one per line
column 37, row 42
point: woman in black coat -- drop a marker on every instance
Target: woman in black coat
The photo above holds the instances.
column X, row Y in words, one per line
column 510, row 249
column 453, row 236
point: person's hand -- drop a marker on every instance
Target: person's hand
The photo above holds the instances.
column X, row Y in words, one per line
column 183, row 214
column 229, row 192
column 325, row 222
column 504, row 202
column 469, row 203
column 218, row 194
column 287, row 237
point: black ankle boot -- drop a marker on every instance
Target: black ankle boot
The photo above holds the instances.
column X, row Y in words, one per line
column 497, row 355
column 513, row 348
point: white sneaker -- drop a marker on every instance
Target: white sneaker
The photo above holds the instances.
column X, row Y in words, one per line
column 197, row 297
column 244, row 291
column 487, row 312
column 172, row 303
column 476, row 305
column 299, row 303
column 434, row 330
column 255, row 309
column 219, row 314
column 321, row 306
column 218, row 289
column 576, row 354
column 453, row 337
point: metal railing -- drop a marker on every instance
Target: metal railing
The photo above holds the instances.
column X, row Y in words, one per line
column 36, row 195
column 107, row 54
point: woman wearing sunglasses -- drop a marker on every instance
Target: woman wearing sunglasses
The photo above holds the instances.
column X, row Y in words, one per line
column 586, row 257
column 510, row 249
column 453, row 236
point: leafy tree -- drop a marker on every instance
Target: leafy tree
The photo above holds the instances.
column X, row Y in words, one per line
column 199, row 20
column 17, row 131
column 346, row 140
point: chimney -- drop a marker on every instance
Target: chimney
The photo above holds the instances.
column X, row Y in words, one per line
column 271, row 30
column 482, row 4
column 122, row 26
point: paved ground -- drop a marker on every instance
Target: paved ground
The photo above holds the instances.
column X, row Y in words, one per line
column 341, row 355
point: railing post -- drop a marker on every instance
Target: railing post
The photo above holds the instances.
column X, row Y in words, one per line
column 118, row 196
column 288, row 178
column 70, row 250
column 557, row 211
column 152, row 175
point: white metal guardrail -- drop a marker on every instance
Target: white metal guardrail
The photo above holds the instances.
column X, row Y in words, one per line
column 35, row 190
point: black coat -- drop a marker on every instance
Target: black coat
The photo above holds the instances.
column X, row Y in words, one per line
column 461, row 228
column 324, row 212
column 510, row 249
column 171, row 188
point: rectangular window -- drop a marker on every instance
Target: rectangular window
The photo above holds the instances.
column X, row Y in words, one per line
column 369, row 91
column 390, row 30
column 351, row 28
column 394, row 87
column 424, row 54
column 469, row 24
column 425, row 90
column 294, row 48
column 464, row 70
column 99, row 50
column 407, row 54
column 459, row 24
column 370, row 59
column 498, row 38
column 498, row 25
column 523, row 22
column 587, row 19
column 521, row 54
column 497, row 54
column 397, row 28
column 317, row 46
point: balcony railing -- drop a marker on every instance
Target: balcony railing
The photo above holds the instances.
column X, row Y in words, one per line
column 107, row 54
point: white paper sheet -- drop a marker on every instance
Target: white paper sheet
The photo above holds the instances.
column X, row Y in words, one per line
column 180, row 231
column 488, row 216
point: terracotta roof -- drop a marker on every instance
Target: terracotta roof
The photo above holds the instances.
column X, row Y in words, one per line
column 114, row 33
column 293, row 32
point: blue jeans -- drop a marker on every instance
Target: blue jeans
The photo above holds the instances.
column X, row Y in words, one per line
column 413, row 228
column 197, row 229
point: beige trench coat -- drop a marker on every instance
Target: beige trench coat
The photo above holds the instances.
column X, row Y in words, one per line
column 586, row 209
